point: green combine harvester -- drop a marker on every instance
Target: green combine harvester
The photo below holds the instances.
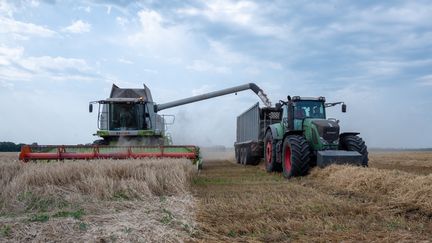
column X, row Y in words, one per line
column 296, row 135
column 130, row 126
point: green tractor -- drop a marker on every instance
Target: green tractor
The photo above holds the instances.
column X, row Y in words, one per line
column 304, row 138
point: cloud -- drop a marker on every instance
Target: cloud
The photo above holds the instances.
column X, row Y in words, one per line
column 16, row 66
column 78, row 27
column 6, row 8
column 204, row 66
column 425, row 80
column 11, row 26
column 158, row 37
column 125, row 61
column 122, row 21
column 243, row 14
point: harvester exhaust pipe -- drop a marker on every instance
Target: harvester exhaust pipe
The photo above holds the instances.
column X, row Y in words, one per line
column 214, row 94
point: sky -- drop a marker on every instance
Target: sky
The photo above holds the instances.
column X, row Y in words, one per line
column 56, row 56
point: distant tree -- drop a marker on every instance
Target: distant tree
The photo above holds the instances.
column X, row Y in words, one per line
column 10, row 147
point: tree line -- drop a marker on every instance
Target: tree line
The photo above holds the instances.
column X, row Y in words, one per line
column 10, row 147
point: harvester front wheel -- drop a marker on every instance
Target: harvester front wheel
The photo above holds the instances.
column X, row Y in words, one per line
column 355, row 143
column 269, row 153
column 296, row 156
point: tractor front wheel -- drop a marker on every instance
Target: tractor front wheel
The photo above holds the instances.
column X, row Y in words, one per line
column 355, row 143
column 296, row 156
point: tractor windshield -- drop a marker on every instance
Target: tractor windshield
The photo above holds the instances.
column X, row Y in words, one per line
column 127, row 116
column 309, row 109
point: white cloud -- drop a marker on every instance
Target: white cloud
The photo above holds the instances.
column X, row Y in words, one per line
column 158, row 38
column 78, row 27
column 6, row 8
column 86, row 9
column 244, row 14
column 15, row 66
column 392, row 67
column 11, row 26
column 204, row 66
column 125, row 61
column 122, row 21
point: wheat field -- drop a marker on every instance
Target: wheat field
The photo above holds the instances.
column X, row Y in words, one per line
column 102, row 200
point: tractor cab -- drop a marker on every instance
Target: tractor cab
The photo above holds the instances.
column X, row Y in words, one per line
column 307, row 115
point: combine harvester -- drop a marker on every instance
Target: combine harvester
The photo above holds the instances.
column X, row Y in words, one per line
column 130, row 127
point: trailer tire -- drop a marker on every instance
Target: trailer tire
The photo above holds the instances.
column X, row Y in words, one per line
column 244, row 156
column 269, row 153
column 237, row 155
column 296, row 156
column 254, row 160
column 355, row 143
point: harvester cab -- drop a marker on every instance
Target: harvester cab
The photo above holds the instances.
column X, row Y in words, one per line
column 305, row 138
column 128, row 117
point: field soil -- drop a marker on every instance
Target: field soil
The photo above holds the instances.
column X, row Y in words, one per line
column 389, row 201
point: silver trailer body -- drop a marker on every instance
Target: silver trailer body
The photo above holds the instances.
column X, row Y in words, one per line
column 251, row 126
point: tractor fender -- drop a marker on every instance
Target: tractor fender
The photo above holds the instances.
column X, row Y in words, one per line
column 342, row 135
column 277, row 135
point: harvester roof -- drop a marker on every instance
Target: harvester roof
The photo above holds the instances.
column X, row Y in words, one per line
column 119, row 93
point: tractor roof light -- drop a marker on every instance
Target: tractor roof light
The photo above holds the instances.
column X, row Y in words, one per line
column 321, row 98
column 296, row 98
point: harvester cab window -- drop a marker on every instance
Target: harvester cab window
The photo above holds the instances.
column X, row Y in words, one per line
column 125, row 116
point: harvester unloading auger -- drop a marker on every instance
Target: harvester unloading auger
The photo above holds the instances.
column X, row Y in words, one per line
column 130, row 127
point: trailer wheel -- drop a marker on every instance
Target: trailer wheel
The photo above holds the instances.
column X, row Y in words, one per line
column 269, row 153
column 355, row 143
column 243, row 156
column 295, row 156
column 237, row 155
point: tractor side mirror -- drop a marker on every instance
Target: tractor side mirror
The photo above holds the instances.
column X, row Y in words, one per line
column 344, row 107
column 278, row 106
column 90, row 108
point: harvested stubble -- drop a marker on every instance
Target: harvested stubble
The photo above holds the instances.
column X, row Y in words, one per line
column 129, row 200
column 415, row 162
column 338, row 203
column 407, row 190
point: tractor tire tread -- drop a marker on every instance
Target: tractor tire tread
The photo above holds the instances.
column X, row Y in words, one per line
column 356, row 143
column 300, row 156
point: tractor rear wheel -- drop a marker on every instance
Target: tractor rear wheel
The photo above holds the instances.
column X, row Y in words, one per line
column 269, row 153
column 355, row 143
column 296, row 156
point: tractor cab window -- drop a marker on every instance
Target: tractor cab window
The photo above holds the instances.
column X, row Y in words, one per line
column 309, row 109
column 127, row 116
